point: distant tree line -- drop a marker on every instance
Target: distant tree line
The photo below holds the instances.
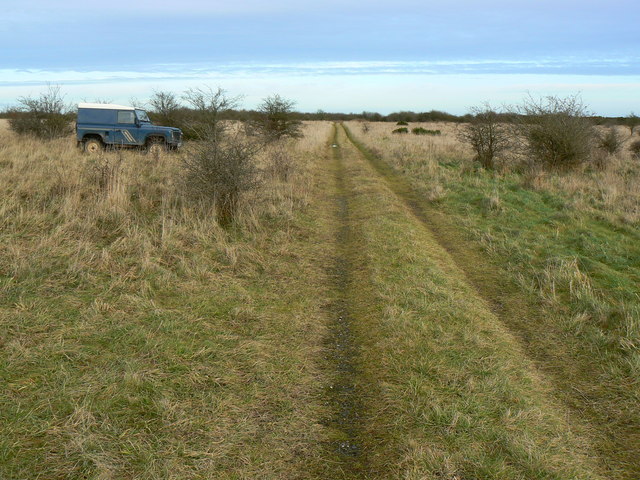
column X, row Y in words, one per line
column 169, row 108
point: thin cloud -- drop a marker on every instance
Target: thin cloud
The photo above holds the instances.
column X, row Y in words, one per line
column 619, row 66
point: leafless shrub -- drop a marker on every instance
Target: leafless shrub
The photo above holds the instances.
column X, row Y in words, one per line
column 47, row 116
column 166, row 107
column 220, row 170
column 98, row 100
column 610, row 142
column 137, row 103
column 275, row 119
column 209, row 105
column 487, row 134
column 556, row 131
column 364, row 126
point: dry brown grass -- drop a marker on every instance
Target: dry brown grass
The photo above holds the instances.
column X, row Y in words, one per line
column 418, row 153
column 610, row 188
column 140, row 339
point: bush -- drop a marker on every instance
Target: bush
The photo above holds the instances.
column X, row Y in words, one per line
column 47, row 116
column 402, row 122
column 209, row 105
column 486, row 134
column 166, row 108
column 424, row 131
column 556, row 131
column 401, row 130
column 610, row 142
column 634, row 148
column 220, row 170
column 275, row 119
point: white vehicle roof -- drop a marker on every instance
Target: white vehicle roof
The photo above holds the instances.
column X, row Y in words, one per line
column 105, row 106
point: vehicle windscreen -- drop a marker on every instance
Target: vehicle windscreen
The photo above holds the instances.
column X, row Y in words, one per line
column 142, row 116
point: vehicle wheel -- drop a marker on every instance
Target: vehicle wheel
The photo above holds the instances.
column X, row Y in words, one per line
column 156, row 148
column 93, row 146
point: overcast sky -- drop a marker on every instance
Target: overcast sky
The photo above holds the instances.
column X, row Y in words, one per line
column 336, row 55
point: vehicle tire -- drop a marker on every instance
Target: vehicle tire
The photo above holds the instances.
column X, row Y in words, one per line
column 93, row 146
column 156, row 148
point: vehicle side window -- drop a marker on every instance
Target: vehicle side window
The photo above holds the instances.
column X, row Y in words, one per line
column 126, row 117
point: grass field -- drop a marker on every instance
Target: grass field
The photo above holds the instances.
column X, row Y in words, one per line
column 568, row 242
column 388, row 311
column 140, row 340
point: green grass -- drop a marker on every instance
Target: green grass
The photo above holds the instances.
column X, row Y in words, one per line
column 564, row 280
column 138, row 339
column 141, row 340
column 459, row 397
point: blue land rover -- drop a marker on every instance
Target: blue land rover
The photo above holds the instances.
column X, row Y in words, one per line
column 102, row 125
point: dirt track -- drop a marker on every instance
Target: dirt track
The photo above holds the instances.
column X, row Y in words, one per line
column 363, row 404
column 519, row 314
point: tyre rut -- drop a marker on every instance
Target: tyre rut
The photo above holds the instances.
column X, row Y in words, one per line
column 342, row 344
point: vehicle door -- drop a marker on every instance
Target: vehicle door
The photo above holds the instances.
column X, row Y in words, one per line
column 127, row 131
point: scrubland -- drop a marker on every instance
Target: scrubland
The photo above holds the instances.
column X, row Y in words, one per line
column 491, row 319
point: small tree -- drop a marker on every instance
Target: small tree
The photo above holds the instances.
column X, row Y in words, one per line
column 610, row 142
column 221, row 167
column 165, row 105
column 137, row 103
column 275, row 119
column 209, row 106
column 220, row 170
column 556, row 131
column 47, row 116
column 487, row 134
